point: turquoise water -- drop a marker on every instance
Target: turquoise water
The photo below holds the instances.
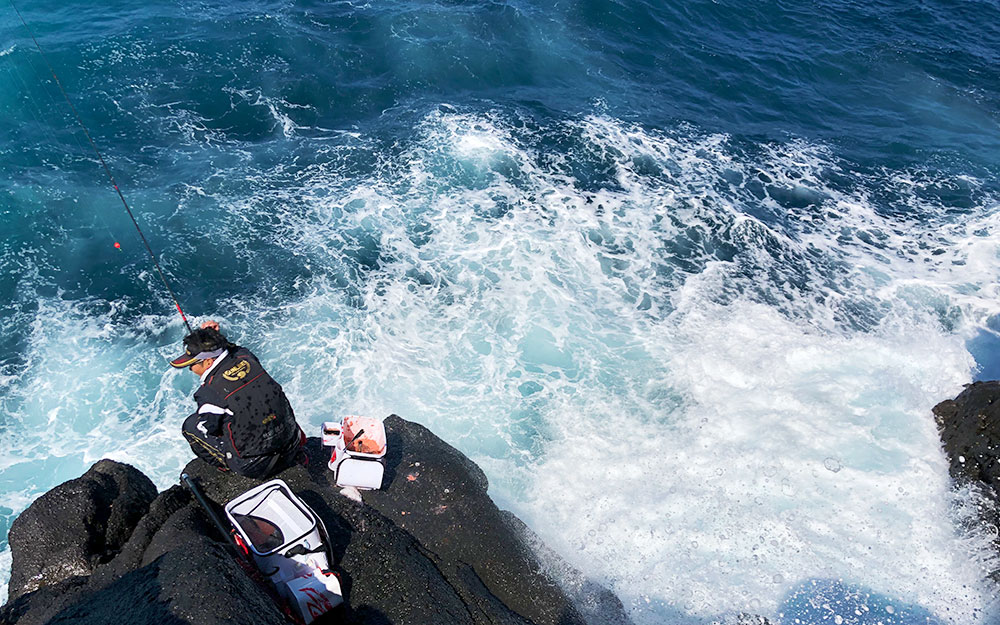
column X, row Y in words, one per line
column 684, row 280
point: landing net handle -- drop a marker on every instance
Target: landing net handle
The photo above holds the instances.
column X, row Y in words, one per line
column 242, row 556
column 212, row 514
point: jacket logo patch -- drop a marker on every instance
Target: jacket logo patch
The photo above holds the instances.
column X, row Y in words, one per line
column 237, row 372
column 268, row 419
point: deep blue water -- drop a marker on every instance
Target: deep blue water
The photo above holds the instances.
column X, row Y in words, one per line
column 515, row 221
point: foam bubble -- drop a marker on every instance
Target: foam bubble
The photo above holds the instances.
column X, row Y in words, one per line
column 276, row 107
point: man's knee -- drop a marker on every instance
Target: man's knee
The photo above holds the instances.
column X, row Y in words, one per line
column 191, row 425
column 206, row 447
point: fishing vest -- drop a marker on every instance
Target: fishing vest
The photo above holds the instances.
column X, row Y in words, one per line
column 262, row 422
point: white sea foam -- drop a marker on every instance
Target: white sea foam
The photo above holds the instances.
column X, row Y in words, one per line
column 697, row 397
column 762, row 435
column 5, row 560
column 700, row 391
column 795, row 456
column 276, row 106
column 92, row 391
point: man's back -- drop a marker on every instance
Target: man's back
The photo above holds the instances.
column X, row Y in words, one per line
column 262, row 420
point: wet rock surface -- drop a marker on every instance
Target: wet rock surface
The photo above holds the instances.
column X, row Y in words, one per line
column 77, row 525
column 431, row 547
column 970, row 432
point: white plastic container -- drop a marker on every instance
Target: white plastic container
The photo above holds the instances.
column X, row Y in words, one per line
column 288, row 543
column 361, row 470
column 331, row 433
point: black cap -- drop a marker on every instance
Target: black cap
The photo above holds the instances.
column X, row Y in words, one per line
column 199, row 345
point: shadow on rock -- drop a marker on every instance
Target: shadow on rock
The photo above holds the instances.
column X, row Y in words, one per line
column 141, row 602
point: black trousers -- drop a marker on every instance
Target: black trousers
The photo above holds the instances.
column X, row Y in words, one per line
column 218, row 451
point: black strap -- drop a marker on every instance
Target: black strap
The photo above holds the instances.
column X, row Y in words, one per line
column 300, row 550
column 273, row 461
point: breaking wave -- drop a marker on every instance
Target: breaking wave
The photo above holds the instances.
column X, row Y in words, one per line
column 701, row 369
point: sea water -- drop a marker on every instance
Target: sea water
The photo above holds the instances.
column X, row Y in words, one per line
column 684, row 280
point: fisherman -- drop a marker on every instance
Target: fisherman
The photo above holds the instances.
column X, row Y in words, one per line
column 244, row 422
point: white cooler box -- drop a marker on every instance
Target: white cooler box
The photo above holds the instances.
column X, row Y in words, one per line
column 362, row 470
column 288, row 543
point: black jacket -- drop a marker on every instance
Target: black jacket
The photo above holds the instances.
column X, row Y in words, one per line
column 262, row 421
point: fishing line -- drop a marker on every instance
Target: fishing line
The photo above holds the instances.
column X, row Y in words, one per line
column 38, row 113
column 107, row 169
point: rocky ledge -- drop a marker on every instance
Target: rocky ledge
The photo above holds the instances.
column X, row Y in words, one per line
column 431, row 547
column 970, row 431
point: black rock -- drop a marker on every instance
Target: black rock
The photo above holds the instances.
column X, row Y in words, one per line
column 429, row 548
column 970, row 432
column 134, row 553
column 439, row 496
column 191, row 579
column 598, row 605
column 77, row 525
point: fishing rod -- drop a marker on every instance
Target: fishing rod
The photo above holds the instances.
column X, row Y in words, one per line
column 107, row 169
column 212, row 515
